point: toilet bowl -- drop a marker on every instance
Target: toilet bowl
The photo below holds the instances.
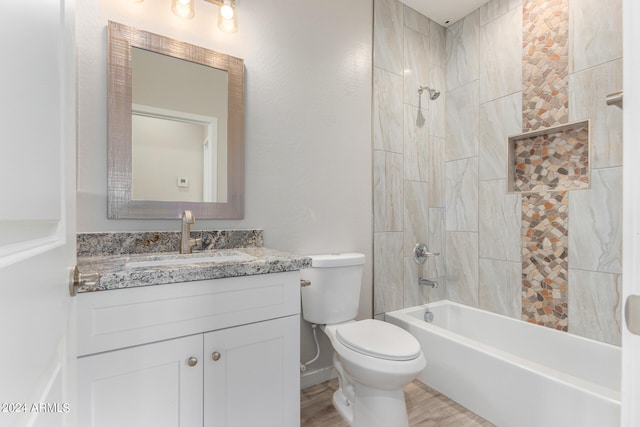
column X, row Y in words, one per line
column 388, row 360
column 374, row 360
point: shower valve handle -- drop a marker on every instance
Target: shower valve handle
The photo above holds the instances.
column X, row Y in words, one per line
column 420, row 253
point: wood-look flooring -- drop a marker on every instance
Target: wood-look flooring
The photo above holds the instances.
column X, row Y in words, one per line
column 426, row 407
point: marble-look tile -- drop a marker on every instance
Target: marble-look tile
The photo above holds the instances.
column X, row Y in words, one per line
column 462, row 195
column 387, row 111
column 387, row 35
column 416, row 67
column 515, row 4
column 462, row 47
column 415, row 294
column 595, row 305
column 438, row 44
column 416, row 144
column 388, row 272
column 500, row 287
column 492, row 10
column 437, row 107
column 387, row 191
column 501, row 59
column 587, row 92
column 437, row 172
column 595, row 227
column 436, row 242
column 462, row 121
column 416, row 215
column 595, row 33
column 499, row 119
column 499, row 222
column 416, row 21
column 462, row 267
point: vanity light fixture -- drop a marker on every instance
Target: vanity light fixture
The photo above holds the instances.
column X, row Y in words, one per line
column 227, row 15
column 183, row 8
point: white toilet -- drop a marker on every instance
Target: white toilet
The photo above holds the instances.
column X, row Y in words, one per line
column 374, row 359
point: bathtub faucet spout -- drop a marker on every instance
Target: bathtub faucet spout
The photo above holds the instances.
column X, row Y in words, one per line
column 427, row 282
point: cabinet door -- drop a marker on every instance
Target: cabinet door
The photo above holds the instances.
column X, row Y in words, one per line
column 255, row 380
column 149, row 385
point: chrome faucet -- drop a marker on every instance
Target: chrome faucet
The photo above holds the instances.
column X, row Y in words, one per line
column 186, row 242
column 427, row 282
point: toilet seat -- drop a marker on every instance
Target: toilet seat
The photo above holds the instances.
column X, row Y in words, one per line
column 379, row 339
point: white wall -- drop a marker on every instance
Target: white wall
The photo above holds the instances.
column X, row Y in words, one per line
column 307, row 120
column 162, row 152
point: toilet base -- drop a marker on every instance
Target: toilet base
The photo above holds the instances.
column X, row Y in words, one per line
column 372, row 408
column 343, row 406
column 362, row 406
column 379, row 408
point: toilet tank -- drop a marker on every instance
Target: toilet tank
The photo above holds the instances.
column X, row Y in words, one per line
column 334, row 293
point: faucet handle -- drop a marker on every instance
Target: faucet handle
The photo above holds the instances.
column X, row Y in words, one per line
column 420, row 253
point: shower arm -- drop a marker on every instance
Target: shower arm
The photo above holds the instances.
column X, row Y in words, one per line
column 433, row 93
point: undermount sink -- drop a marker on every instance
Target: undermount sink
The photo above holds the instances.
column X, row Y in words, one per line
column 159, row 260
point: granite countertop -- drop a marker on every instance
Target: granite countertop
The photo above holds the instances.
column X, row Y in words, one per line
column 134, row 270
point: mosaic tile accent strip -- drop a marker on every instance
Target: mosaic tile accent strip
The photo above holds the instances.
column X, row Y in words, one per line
column 552, row 161
column 545, row 266
column 545, row 64
column 547, row 162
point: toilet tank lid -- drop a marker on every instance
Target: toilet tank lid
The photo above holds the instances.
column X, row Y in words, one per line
column 337, row 260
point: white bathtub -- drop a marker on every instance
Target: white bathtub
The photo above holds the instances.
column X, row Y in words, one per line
column 513, row 373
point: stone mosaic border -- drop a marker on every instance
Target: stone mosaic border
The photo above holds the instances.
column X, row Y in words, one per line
column 545, row 266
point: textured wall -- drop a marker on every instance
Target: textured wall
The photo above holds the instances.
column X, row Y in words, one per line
column 307, row 122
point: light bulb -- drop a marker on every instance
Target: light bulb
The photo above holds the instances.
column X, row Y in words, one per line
column 226, row 11
column 227, row 18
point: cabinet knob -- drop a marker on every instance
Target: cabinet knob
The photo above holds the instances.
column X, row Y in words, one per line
column 216, row 356
column 193, row 361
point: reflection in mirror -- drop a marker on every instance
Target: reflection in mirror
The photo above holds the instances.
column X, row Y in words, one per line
column 178, row 149
column 175, row 128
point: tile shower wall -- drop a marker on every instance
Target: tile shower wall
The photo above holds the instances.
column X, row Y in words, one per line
column 408, row 143
column 453, row 195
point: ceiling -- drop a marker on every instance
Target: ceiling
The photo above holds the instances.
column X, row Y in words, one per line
column 445, row 12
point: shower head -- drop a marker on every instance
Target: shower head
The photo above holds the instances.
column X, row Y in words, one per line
column 433, row 93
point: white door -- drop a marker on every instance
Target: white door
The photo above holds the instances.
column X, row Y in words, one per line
column 37, row 213
column 631, row 209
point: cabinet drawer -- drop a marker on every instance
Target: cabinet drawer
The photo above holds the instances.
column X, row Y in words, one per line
column 121, row 318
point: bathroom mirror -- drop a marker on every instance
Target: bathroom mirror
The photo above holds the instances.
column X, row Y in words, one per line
column 175, row 128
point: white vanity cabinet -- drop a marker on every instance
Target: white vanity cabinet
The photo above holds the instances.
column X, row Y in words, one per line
column 248, row 375
column 220, row 352
column 148, row 385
